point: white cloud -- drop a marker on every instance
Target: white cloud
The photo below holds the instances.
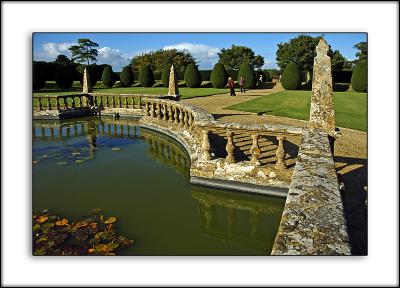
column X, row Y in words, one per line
column 113, row 57
column 107, row 55
column 206, row 56
column 49, row 51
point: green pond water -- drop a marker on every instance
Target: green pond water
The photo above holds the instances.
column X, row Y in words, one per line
column 142, row 178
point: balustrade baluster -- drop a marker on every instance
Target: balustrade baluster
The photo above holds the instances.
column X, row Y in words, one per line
column 73, row 102
column 107, row 102
column 57, row 104
column 152, row 109
column 133, row 104
column 164, row 112
column 205, row 145
column 158, row 111
column 146, row 108
column 280, row 154
column 126, row 102
column 140, row 102
column 65, row 102
column 170, row 120
column 101, row 101
column 175, row 115
column 190, row 121
column 48, row 104
column 185, row 119
column 230, row 147
column 113, row 101
column 255, row 150
column 180, row 117
column 40, row 104
column 120, row 101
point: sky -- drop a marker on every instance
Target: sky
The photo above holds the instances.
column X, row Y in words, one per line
column 117, row 48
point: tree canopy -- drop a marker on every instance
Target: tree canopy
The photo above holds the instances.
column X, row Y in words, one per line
column 362, row 48
column 233, row 57
column 85, row 51
column 158, row 60
column 339, row 62
column 300, row 50
column 62, row 59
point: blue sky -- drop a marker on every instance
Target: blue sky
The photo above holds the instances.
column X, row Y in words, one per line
column 116, row 48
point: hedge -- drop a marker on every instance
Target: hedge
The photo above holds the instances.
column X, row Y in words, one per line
column 38, row 76
column 108, row 78
column 64, row 77
column 359, row 79
column 219, row 77
column 291, row 78
column 126, row 77
column 146, row 76
column 248, row 74
column 192, row 76
column 165, row 77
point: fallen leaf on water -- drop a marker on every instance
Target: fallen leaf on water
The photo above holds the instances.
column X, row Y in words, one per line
column 62, row 163
column 42, row 218
column 115, row 149
column 93, row 225
column 110, row 220
column 62, row 222
column 79, row 161
column 76, row 153
column 45, row 156
column 81, row 224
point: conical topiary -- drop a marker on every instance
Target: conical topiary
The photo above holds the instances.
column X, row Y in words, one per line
column 146, row 76
column 219, row 77
column 192, row 76
column 165, row 77
column 107, row 77
column 64, row 77
column 291, row 77
column 126, row 77
column 359, row 79
column 248, row 74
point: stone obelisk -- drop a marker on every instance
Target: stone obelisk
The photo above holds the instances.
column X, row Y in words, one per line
column 322, row 114
column 173, row 90
column 87, row 87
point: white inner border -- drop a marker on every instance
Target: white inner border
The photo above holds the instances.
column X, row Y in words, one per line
column 19, row 20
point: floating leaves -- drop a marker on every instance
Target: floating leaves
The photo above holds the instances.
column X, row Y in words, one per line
column 93, row 235
column 115, row 149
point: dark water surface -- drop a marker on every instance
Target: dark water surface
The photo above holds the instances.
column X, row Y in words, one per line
column 142, row 178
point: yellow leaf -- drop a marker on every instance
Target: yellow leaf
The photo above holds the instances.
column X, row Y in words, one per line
column 110, row 220
column 62, row 222
column 42, row 219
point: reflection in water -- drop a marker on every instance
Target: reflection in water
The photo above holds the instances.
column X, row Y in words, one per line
column 159, row 208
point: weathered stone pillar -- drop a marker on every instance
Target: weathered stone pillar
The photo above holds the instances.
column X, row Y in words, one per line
column 180, row 117
column 146, row 108
column 173, row 84
column 185, row 119
column 176, row 115
column 86, row 85
column 205, row 146
column 322, row 114
column 255, row 150
column 280, row 154
column 230, row 148
column 159, row 111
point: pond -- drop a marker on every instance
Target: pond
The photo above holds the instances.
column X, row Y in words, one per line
column 142, row 178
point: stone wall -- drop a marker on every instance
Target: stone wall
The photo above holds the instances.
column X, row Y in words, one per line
column 313, row 220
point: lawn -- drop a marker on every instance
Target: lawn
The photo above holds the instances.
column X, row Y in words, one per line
column 350, row 107
column 185, row 92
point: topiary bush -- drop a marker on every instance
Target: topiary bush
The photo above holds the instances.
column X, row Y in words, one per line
column 359, row 79
column 64, row 77
column 126, row 77
column 219, row 77
column 108, row 77
column 291, row 78
column 248, row 74
column 146, row 76
column 38, row 76
column 192, row 76
column 165, row 77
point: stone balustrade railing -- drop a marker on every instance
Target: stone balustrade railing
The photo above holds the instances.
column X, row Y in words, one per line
column 128, row 101
column 62, row 102
column 200, row 124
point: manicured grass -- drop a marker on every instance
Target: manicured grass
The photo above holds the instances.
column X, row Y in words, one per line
column 350, row 107
column 184, row 91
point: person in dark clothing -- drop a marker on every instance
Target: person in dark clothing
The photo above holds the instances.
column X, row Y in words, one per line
column 231, row 85
column 241, row 84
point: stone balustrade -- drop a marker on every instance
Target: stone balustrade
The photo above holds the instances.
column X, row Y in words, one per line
column 62, row 102
column 127, row 101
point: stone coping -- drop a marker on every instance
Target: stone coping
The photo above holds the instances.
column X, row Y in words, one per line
column 313, row 221
column 60, row 96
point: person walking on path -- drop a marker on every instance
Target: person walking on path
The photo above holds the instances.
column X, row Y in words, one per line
column 231, row 85
column 241, row 84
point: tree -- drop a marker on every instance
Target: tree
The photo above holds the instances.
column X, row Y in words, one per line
column 219, row 77
column 362, row 53
column 107, row 77
column 126, row 77
column 158, row 60
column 248, row 74
column 291, row 78
column 233, row 57
column 192, row 76
column 359, row 79
column 62, row 59
column 85, row 51
column 300, row 50
column 64, row 77
column 146, row 76
column 165, row 76
column 338, row 61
